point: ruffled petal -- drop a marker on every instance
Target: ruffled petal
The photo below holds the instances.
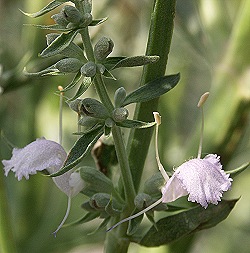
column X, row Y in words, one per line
column 203, row 179
column 37, row 156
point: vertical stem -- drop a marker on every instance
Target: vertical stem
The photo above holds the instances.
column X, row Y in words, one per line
column 160, row 35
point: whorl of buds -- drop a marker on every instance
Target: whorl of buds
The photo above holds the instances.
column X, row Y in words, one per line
column 68, row 65
column 103, row 48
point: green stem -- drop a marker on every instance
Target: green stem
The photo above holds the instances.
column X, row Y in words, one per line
column 160, row 35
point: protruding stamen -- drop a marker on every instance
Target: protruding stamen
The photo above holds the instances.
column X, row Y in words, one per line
column 200, row 105
column 64, row 218
column 157, row 117
column 60, row 88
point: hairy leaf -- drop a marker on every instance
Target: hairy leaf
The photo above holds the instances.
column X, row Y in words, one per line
column 135, row 124
column 49, row 7
column 152, row 89
column 59, row 44
column 174, row 227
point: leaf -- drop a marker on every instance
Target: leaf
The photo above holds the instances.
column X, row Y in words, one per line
column 135, row 124
column 86, row 218
column 174, row 227
column 152, row 89
column 82, row 88
column 59, row 44
column 110, row 62
column 134, row 223
column 54, row 27
column 73, row 83
column 49, row 7
column 80, row 150
column 136, row 61
column 52, row 70
column 98, row 21
column 237, row 171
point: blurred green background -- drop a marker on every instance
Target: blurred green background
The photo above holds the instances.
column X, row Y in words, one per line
column 210, row 48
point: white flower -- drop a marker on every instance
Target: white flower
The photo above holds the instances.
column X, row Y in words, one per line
column 203, row 179
column 39, row 155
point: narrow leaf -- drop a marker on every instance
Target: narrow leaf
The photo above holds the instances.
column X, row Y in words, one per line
column 54, row 27
column 80, row 149
column 174, row 227
column 152, row 89
column 59, row 44
column 110, row 62
column 98, row 21
column 51, row 6
column 135, row 124
column 136, row 61
column 82, row 88
column 52, row 70
column 86, row 218
column 73, row 83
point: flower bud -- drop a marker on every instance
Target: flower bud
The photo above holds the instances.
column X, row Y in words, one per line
column 89, row 69
column 68, row 65
column 120, row 114
column 71, row 14
column 59, row 18
column 87, row 19
column 119, row 97
column 99, row 201
column 103, row 48
column 93, row 108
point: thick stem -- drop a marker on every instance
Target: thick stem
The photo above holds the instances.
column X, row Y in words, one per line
column 160, row 35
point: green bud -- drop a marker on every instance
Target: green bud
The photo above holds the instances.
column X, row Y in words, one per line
column 59, row 18
column 120, row 114
column 93, row 108
column 68, row 65
column 71, row 14
column 142, row 200
column 89, row 122
column 87, row 19
column 74, row 105
column 154, row 184
column 99, row 201
column 89, row 69
column 119, row 97
column 101, row 68
column 103, row 48
column 109, row 122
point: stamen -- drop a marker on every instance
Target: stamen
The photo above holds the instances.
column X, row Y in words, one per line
column 157, row 117
column 64, row 218
column 60, row 88
column 200, row 105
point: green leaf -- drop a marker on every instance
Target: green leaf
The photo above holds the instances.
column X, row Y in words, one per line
column 110, row 62
column 51, row 6
column 237, row 171
column 174, row 227
column 135, row 124
column 59, row 44
column 134, row 223
column 86, row 218
column 136, row 61
column 152, row 89
column 52, row 70
column 82, row 88
column 98, row 21
column 54, row 27
column 80, row 149
column 73, row 83
column 96, row 181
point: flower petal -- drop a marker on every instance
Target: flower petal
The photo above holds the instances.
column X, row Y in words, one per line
column 37, row 156
column 203, row 179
